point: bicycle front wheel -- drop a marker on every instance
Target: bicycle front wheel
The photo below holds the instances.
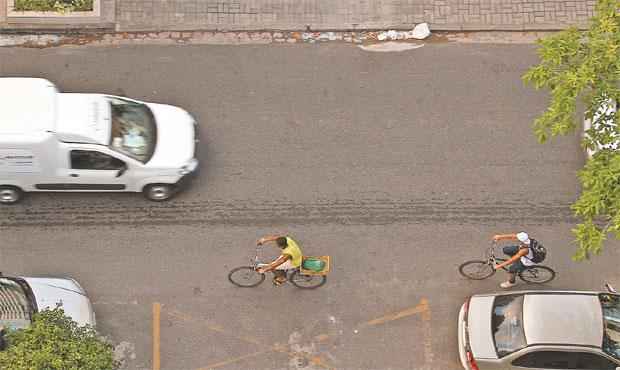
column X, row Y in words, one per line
column 537, row 274
column 245, row 277
column 307, row 281
column 476, row 270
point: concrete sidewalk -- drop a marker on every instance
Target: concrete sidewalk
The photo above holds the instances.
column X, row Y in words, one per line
column 286, row 15
column 450, row 15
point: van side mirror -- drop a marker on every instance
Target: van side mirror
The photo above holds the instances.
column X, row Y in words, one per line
column 122, row 170
column 610, row 289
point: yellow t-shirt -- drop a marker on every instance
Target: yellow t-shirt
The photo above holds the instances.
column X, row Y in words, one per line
column 294, row 251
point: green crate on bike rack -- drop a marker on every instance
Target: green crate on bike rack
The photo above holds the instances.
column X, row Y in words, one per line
column 325, row 270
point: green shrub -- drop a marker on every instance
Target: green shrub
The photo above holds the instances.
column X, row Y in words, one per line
column 62, row 6
column 55, row 342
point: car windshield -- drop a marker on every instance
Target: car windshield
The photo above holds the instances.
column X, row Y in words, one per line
column 507, row 324
column 16, row 303
column 610, row 303
column 134, row 131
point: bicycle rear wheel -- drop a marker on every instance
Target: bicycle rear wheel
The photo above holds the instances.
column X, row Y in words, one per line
column 537, row 274
column 245, row 277
column 307, row 281
column 476, row 269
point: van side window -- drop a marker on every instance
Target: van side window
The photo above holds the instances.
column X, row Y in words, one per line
column 91, row 160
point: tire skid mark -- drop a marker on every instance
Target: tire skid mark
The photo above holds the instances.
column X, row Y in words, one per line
column 219, row 212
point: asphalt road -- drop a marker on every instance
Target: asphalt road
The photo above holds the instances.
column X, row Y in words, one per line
column 399, row 166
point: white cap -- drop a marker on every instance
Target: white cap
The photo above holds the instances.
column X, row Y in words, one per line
column 523, row 238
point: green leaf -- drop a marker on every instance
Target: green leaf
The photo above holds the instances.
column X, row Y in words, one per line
column 589, row 239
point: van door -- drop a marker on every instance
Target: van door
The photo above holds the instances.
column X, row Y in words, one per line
column 93, row 170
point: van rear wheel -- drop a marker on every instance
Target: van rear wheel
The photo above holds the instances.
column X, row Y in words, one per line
column 158, row 192
column 10, row 194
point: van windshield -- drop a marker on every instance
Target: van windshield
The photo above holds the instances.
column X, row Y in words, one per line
column 134, row 131
column 16, row 303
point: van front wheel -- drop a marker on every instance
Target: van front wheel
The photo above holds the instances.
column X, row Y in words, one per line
column 158, row 192
column 10, row 194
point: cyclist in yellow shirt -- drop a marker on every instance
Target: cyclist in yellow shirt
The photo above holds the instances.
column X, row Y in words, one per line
column 290, row 257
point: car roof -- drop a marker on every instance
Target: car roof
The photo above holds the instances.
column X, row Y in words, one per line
column 28, row 105
column 563, row 318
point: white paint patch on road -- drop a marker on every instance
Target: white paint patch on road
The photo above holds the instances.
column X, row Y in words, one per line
column 123, row 352
column 304, row 354
column 390, row 46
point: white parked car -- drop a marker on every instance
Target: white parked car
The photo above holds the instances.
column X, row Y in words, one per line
column 53, row 141
column 21, row 297
column 609, row 109
column 540, row 330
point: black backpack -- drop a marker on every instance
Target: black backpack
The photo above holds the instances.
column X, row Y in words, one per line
column 539, row 252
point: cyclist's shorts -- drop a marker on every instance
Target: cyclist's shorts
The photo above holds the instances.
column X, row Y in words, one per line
column 516, row 266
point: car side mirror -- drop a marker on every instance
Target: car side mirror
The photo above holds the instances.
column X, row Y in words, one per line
column 611, row 289
column 122, row 170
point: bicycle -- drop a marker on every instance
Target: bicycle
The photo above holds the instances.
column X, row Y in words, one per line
column 482, row 269
column 248, row 277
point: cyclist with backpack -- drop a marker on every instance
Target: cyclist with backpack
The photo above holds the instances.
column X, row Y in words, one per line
column 527, row 253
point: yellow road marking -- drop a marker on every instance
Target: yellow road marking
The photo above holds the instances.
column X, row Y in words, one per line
column 321, row 337
column 214, row 327
column 420, row 308
column 279, row 348
column 156, row 335
column 428, row 338
column 233, row 360
column 217, row 328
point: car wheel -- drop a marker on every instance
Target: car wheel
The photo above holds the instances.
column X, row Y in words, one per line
column 10, row 194
column 159, row 192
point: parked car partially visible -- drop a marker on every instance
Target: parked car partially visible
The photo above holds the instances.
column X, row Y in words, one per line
column 540, row 330
column 607, row 110
column 21, row 297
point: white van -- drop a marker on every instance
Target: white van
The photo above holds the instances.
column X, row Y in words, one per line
column 52, row 141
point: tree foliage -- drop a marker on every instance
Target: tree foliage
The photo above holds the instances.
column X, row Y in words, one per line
column 584, row 67
column 62, row 6
column 55, row 342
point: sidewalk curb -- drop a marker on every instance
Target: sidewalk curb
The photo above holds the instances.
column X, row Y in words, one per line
column 43, row 39
column 110, row 28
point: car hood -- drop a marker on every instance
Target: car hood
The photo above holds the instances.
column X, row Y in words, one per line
column 51, row 292
column 175, row 136
column 479, row 327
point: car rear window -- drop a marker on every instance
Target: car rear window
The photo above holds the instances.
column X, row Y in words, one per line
column 15, row 307
column 507, row 324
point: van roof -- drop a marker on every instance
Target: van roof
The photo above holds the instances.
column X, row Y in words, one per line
column 28, row 105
